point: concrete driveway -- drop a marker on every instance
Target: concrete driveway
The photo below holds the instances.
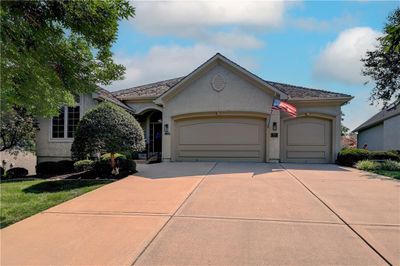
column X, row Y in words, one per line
column 220, row 214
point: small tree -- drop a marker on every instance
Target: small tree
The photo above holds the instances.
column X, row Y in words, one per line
column 107, row 128
column 382, row 64
column 17, row 130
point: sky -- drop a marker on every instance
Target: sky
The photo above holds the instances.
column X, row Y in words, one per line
column 316, row 44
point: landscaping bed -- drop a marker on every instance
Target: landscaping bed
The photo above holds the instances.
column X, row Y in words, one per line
column 21, row 199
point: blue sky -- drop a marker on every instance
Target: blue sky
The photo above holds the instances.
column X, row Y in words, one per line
column 312, row 44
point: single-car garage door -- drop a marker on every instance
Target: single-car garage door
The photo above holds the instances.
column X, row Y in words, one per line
column 220, row 139
column 307, row 140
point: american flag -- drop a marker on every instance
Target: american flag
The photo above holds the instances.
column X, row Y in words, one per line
column 284, row 106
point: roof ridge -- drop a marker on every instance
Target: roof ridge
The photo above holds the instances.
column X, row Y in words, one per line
column 143, row 85
column 306, row 88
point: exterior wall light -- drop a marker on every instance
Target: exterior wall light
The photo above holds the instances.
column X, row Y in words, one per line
column 166, row 129
column 274, row 126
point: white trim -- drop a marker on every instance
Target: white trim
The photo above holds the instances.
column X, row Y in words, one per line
column 65, row 139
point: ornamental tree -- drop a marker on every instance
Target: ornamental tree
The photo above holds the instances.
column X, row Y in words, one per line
column 53, row 50
column 382, row 64
column 18, row 130
column 107, row 128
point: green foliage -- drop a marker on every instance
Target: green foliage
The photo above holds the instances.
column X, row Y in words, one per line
column 54, row 168
column 372, row 166
column 382, row 64
column 383, row 155
column 107, row 156
column 349, row 156
column 17, row 130
column 84, row 165
column 52, row 50
column 344, row 130
column 367, row 165
column 390, row 165
column 16, row 172
column 106, row 128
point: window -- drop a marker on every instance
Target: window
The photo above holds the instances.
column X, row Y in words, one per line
column 64, row 125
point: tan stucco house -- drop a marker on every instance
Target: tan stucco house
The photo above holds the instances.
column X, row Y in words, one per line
column 220, row 111
column 381, row 132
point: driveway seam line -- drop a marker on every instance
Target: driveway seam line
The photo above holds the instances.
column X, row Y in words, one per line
column 169, row 219
column 255, row 219
column 338, row 216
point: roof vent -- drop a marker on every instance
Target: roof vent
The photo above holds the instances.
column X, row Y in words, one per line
column 218, row 82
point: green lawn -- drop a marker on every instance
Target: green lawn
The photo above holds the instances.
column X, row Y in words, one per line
column 22, row 199
column 393, row 174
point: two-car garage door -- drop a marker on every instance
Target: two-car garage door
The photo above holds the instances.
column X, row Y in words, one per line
column 220, row 139
column 303, row 139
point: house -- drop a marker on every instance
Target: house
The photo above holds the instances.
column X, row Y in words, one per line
column 220, row 111
column 381, row 131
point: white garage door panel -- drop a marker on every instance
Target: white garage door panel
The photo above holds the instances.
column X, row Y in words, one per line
column 220, row 139
column 307, row 140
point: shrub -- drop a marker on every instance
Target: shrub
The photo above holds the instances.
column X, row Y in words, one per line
column 55, row 168
column 65, row 166
column 107, row 128
column 84, row 165
column 16, row 172
column 367, row 165
column 2, row 171
column 102, row 168
column 126, row 167
column 390, row 165
column 383, row 155
column 47, row 168
column 349, row 157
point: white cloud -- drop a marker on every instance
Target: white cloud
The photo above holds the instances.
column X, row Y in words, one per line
column 180, row 17
column 225, row 23
column 313, row 24
column 165, row 62
column 340, row 59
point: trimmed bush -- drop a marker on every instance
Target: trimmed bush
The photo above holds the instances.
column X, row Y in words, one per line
column 367, row 165
column 16, row 172
column 102, row 168
column 390, row 165
column 47, row 168
column 84, row 165
column 55, row 168
column 383, row 155
column 65, row 166
column 349, row 157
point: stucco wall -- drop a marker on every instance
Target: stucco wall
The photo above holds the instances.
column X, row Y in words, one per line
column 373, row 137
column 391, row 133
column 238, row 95
column 48, row 149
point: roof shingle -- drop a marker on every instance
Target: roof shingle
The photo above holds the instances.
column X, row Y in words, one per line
column 157, row 88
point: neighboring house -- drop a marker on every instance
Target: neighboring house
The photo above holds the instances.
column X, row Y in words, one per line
column 220, row 111
column 382, row 131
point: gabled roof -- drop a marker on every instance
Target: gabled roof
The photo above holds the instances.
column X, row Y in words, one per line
column 378, row 118
column 154, row 89
column 108, row 96
column 157, row 89
column 219, row 58
column 298, row 92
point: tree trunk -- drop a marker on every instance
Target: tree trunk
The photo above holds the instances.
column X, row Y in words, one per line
column 112, row 157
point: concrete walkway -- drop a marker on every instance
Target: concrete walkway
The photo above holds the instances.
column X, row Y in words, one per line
column 220, row 214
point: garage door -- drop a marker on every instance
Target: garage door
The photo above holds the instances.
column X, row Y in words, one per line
column 220, row 139
column 307, row 140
